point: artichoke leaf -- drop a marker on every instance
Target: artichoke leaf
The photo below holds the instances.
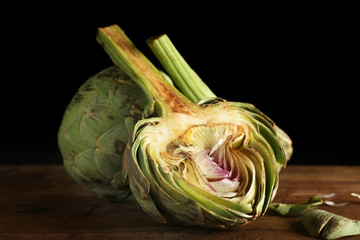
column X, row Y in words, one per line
column 327, row 225
column 139, row 184
column 213, row 202
column 274, row 144
column 176, row 205
column 261, row 148
column 85, row 167
column 294, row 210
column 207, row 203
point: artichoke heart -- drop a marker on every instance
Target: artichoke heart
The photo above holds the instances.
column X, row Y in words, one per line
column 210, row 150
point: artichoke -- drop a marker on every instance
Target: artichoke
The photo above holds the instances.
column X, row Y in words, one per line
column 214, row 164
column 95, row 130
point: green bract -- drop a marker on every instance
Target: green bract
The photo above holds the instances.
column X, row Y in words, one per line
column 95, row 130
column 327, row 225
column 295, row 210
column 214, row 164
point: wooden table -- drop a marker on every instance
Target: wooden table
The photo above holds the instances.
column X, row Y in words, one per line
column 42, row 202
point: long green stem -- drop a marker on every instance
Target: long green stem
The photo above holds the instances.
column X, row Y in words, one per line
column 124, row 53
column 184, row 77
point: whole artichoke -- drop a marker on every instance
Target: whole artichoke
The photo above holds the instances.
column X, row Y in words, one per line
column 95, row 130
column 215, row 164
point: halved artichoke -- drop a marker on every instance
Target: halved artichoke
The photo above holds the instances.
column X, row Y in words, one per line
column 215, row 164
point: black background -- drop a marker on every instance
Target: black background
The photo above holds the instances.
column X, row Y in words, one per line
column 300, row 69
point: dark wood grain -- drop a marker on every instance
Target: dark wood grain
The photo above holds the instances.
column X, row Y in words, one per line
column 42, row 202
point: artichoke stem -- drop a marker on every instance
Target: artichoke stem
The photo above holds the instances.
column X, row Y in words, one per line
column 185, row 78
column 124, row 54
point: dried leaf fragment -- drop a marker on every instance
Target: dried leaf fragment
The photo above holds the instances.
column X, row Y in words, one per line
column 333, row 204
column 326, row 196
column 355, row 195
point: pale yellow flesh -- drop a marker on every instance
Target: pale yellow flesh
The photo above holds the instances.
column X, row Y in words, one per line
column 178, row 139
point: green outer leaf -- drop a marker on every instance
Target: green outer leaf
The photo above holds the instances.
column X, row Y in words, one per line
column 139, row 185
column 85, row 162
column 285, row 142
column 256, row 113
column 326, row 225
column 274, row 143
column 267, row 129
column 171, row 201
column 258, row 145
column 202, row 216
column 293, row 210
column 219, row 212
column 271, row 172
